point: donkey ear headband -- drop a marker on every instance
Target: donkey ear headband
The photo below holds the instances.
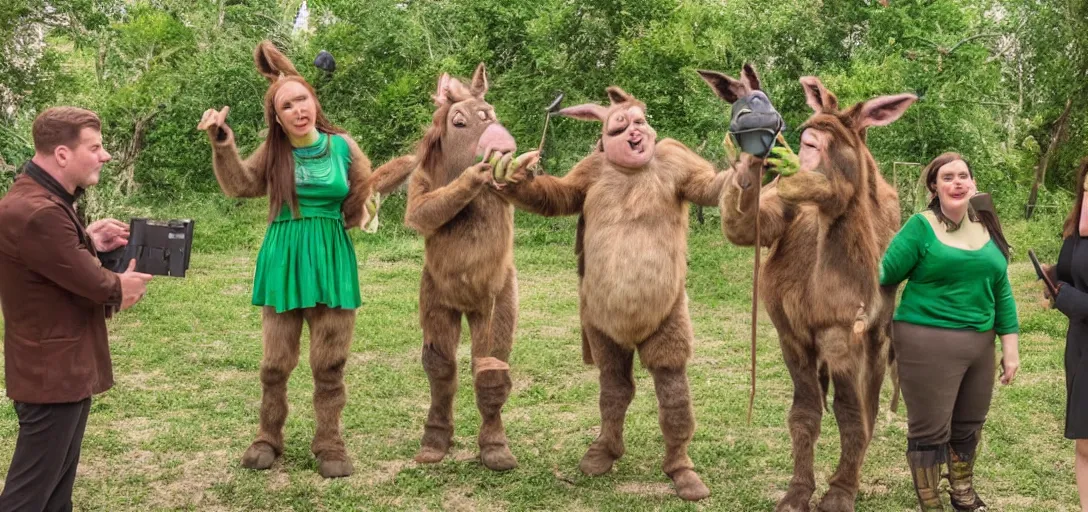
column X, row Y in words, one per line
column 272, row 63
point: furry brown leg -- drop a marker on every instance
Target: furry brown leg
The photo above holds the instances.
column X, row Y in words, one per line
column 665, row 353
column 804, row 422
column 331, row 332
column 854, row 438
column 617, row 389
column 677, row 426
column 441, row 333
column 493, row 336
column 281, row 333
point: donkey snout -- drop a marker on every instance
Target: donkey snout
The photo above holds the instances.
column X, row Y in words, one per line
column 496, row 139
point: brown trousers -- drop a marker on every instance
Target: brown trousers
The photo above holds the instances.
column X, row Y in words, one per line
column 947, row 379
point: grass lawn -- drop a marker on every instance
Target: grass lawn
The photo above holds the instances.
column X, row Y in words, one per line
column 170, row 434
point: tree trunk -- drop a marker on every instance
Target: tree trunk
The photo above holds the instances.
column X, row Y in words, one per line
column 1040, row 170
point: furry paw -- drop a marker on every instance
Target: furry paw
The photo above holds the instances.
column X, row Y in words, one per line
column 335, row 468
column 498, row 458
column 259, row 455
column 430, row 455
column 597, row 460
column 796, row 500
column 836, row 501
column 689, row 486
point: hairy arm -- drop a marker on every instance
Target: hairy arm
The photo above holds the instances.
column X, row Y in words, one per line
column 814, row 187
column 430, row 207
column 700, row 183
column 391, row 174
column 237, row 177
column 550, row 196
column 359, row 189
column 738, row 206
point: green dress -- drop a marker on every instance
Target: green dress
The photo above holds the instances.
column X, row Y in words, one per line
column 310, row 260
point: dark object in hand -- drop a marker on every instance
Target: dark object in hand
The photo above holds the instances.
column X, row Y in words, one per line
column 982, row 202
column 160, row 248
column 1051, row 287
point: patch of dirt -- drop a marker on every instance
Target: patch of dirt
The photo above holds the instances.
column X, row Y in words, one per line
column 195, row 475
column 236, row 289
column 137, row 430
column 146, row 381
column 462, row 499
column 646, row 489
column 385, row 471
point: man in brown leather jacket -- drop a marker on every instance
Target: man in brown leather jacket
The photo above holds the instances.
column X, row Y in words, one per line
column 55, row 298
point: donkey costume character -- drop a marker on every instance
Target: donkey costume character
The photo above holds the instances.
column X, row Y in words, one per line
column 827, row 220
column 468, row 267
column 318, row 182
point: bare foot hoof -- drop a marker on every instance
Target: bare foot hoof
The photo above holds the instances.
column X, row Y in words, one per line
column 596, row 461
column 335, row 468
column 430, row 455
column 836, row 501
column 796, row 500
column 498, row 458
column 689, row 486
column 259, row 455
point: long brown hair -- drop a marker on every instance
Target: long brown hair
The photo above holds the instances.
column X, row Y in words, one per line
column 987, row 218
column 280, row 173
column 1073, row 220
column 281, row 162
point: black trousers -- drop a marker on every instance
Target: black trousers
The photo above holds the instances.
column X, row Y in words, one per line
column 43, row 468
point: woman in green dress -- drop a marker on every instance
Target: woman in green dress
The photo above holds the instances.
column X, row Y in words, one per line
column 317, row 181
column 956, row 302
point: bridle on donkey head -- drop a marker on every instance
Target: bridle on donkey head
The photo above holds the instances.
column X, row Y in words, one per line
column 755, row 124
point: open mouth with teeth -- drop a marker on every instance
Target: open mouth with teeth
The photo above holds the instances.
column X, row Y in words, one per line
column 635, row 142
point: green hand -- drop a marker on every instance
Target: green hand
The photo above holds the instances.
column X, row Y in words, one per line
column 783, row 162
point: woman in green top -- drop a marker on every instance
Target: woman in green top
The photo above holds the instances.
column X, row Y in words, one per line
column 317, row 180
column 957, row 297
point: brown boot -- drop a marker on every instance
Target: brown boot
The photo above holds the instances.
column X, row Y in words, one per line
column 961, row 470
column 925, row 469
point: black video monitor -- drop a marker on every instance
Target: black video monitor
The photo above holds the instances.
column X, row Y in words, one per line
column 160, row 248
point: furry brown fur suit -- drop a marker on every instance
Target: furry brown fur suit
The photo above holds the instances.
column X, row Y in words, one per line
column 468, row 269
column 827, row 227
column 633, row 194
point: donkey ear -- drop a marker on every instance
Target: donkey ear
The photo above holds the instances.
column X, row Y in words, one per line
column 883, row 110
column 617, row 95
column 817, row 96
column 725, row 87
column 479, row 81
column 441, row 94
column 271, row 62
column 750, row 77
column 585, row 112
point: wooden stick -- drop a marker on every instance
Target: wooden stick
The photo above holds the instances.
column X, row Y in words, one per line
column 755, row 300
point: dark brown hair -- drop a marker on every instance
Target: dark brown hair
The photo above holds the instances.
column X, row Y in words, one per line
column 987, row 218
column 61, row 126
column 1073, row 220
